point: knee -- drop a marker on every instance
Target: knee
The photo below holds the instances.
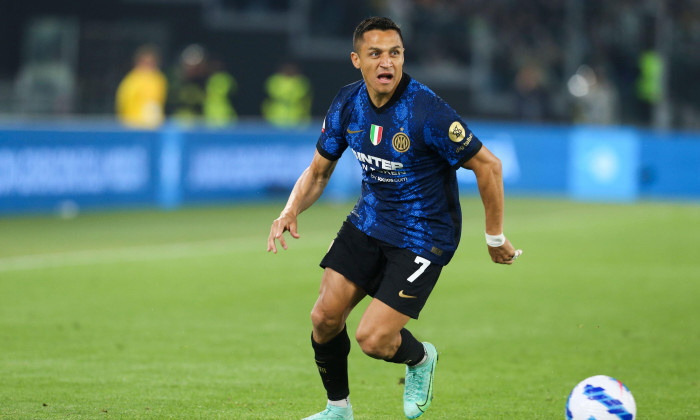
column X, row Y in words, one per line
column 326, row 323
column 375, row 344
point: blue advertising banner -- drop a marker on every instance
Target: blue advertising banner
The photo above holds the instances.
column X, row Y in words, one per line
column 533, row 158
column 43, row 170
column 670, row 166
column 604, row 164
column 87, row 166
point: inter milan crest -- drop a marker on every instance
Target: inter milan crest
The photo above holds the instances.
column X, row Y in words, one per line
column 375, row 134
column 457, row 132
column 401, row 142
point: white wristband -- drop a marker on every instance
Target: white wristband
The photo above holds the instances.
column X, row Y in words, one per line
column 495, row 240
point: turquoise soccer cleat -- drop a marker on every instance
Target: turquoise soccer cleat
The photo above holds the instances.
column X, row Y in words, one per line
column 418, row 391
column 333, row 413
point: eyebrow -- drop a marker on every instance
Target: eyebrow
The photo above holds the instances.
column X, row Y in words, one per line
column 395, row 47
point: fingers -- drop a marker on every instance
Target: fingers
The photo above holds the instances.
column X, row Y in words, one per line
column 280, row 226
column 293, row 230
column 506, row 262
column 499, row 256
column 275, row 232
column 511, row 259
column 280, row 238
column 271, row 246
column 504, row 254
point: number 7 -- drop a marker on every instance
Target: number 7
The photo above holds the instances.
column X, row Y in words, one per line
column 423, row 265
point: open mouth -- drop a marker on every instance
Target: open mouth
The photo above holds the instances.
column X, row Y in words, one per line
column 385, row 77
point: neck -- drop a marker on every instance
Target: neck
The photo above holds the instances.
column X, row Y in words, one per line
column 379, row 100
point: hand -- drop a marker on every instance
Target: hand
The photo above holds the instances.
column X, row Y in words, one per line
column 286, row 222
column 504, row 254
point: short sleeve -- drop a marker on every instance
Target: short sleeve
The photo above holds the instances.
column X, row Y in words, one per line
column 332, row 143
column 447, row 134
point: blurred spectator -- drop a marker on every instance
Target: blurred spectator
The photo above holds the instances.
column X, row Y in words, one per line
column 288, row 100
column 140, row 98
column 649, row 83
column 202, row 89
column 532, row 101
column 188, row 85
column 46, row 81
column 220, row 87
column 46, row 88
column 596, row 99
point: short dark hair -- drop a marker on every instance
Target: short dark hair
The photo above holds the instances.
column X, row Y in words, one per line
column 372, row 23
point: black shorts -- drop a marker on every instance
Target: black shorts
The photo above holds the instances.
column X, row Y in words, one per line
column 396, row 276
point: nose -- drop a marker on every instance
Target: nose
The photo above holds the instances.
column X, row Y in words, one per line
column 385, row 61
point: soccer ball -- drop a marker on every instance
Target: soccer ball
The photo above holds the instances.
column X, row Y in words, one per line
column 601, row 398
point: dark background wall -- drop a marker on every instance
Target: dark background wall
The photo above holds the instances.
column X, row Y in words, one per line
column 110, row 31
column 505, row 59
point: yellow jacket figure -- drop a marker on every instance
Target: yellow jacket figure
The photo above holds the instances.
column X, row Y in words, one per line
column 141, row 94
column 288, row 100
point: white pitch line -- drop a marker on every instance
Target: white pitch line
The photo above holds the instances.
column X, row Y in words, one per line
column 138, row 253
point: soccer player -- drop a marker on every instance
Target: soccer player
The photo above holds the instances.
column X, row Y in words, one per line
column 406, row 224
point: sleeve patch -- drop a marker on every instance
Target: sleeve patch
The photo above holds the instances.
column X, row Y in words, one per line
column 457, row 132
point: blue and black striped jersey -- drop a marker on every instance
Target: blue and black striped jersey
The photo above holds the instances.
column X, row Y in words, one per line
column 409, row 150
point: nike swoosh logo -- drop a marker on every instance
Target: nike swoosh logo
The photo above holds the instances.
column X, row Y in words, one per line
column 354, row 131
column 430, row 385
column 404, row 295
column 420, row 406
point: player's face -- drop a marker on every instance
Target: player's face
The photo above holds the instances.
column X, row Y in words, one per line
column 380, row 59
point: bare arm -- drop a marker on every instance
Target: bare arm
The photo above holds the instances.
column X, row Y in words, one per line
column 487, row 169
column 306, row 191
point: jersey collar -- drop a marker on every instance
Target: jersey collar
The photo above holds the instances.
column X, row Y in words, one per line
column 403, row 84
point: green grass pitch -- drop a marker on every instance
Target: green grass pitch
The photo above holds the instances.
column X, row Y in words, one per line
column 148, row 314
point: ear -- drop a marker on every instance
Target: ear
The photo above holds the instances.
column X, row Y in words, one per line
column 355, row 59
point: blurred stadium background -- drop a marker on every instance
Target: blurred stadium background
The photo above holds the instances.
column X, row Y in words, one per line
column 118, row 308
column 499, row 59
column 537, row 81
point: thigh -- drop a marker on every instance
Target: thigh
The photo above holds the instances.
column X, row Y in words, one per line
column 408, row 281
column 357, row 257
